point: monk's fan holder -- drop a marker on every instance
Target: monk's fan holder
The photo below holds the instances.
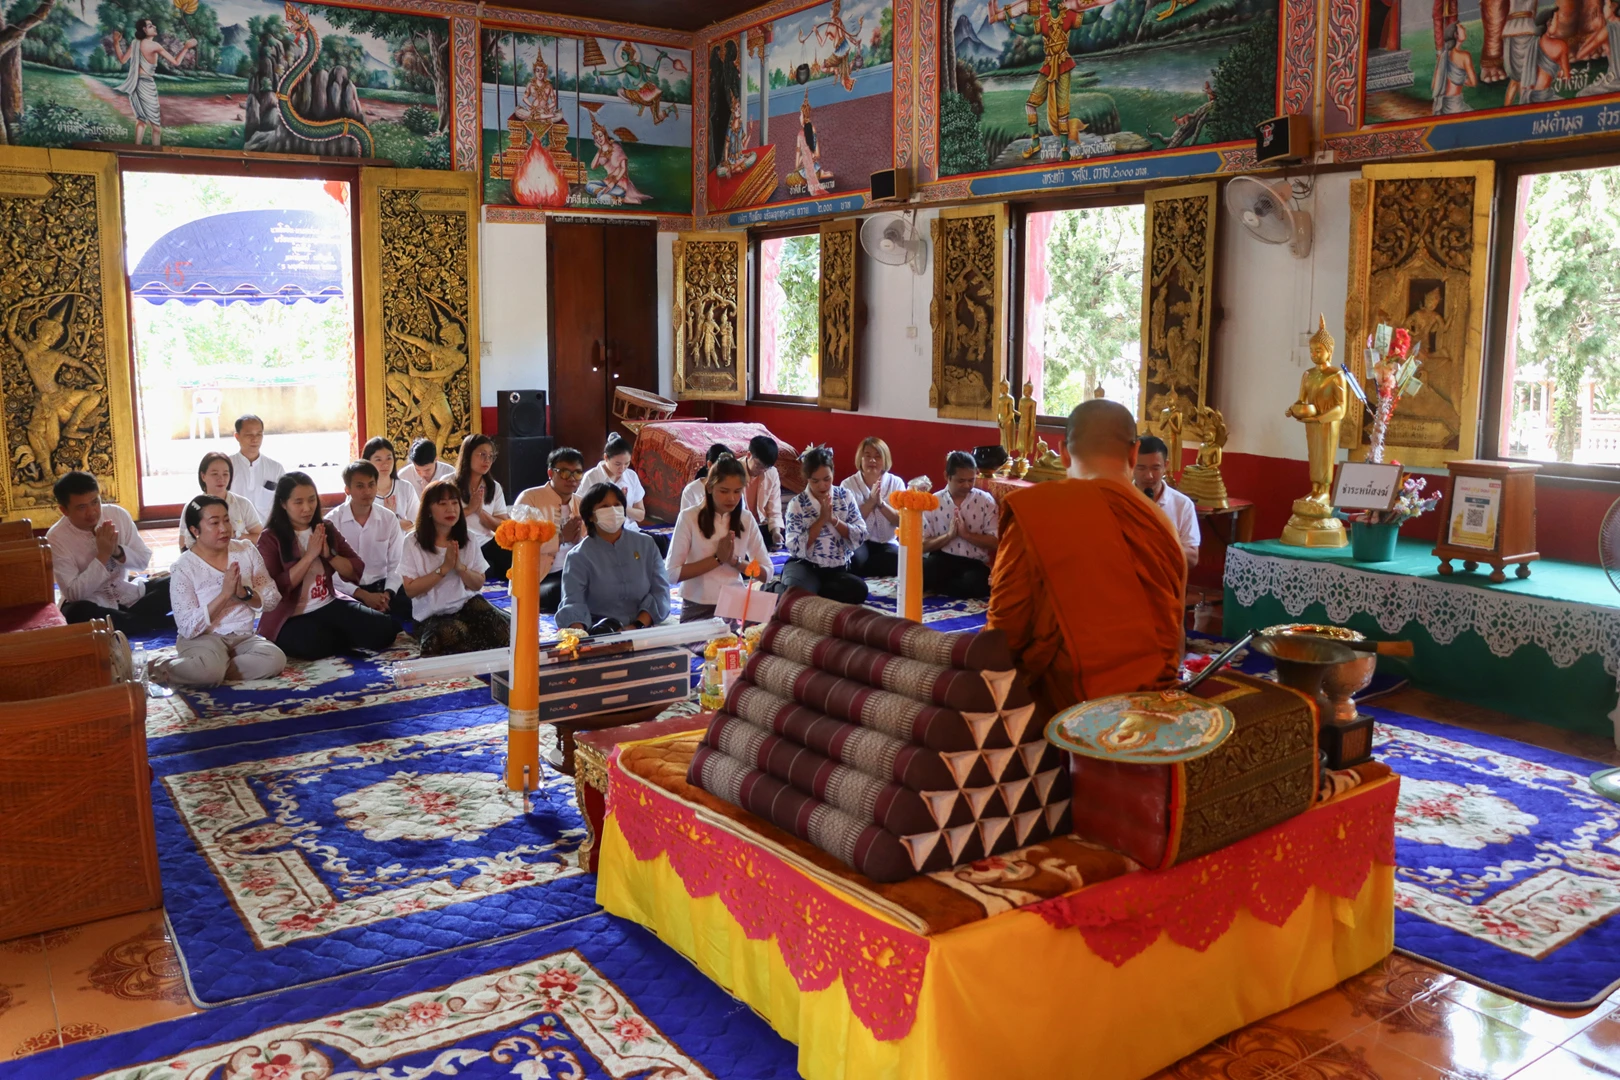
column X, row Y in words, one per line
column 896, row 749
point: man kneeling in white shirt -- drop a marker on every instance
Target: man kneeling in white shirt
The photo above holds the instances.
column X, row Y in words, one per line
column 373, row 531
column 1152, row 460
column 959, row 539
column 218, row 585
column 94, row 549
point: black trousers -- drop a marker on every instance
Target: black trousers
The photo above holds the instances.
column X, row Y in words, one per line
column 956, row 576
column 832, row 582
column 499, row 559
column 551, row 592
column 696, row 612
column 340, row 626
column 662, row 540
column 875, row 560
column 148, row 615
column 399, row 605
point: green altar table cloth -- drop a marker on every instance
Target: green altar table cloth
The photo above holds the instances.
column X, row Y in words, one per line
column 1546, row 648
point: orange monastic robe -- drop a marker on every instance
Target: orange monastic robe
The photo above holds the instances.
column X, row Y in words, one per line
column 1089, row 588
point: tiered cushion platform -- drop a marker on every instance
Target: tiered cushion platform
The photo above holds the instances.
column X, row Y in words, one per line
column 1546, row 647
column 1025, row 964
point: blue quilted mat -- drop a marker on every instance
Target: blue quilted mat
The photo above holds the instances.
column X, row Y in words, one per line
column 300, row 859
column 599, row 998
column 1508, row 863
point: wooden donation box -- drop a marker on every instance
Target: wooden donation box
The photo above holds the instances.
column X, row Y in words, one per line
column 1490, row 517
column 572, row 690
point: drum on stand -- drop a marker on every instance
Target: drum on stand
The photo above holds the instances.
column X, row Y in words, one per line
column 636, row 408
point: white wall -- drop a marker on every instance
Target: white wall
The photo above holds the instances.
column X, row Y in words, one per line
column 512, row 309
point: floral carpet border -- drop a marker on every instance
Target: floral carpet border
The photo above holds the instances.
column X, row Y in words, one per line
column 820, row 938
column 1332, row 847
column 1506, row 621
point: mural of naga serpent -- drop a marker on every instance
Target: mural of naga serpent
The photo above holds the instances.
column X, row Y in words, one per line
column 314, row 130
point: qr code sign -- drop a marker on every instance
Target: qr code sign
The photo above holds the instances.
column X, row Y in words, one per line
column 1474, row 518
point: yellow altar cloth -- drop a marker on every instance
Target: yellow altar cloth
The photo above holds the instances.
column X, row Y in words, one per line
column 1013, row 995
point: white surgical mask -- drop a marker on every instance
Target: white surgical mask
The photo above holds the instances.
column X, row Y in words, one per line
column 610, row 519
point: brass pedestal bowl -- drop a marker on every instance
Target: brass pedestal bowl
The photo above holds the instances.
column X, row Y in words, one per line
column 1341, row 682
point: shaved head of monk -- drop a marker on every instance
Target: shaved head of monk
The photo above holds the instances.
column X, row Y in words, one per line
column 1101, row 439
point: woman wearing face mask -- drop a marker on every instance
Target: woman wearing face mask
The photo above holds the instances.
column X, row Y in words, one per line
column 872, row 485
column 824, row 528
column 314, row 620
column 216, row 587
column 443, row 574
column 615, row 469
column 214, row 478
column 483, row 501
column 402, row 499
column 614, row 578
column 714, row 541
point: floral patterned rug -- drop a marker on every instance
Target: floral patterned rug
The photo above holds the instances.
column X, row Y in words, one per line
column 599, row 998
column 1508, row 862
column 300, row 859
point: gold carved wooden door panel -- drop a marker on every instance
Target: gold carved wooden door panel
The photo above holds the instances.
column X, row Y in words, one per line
column 711, row 316
column 1419, row 237
column 64, row 356
column 840, row 301
column 968, row 311
column 1180, row 247
column 419, row 274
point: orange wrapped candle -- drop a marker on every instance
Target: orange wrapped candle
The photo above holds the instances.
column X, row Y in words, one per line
column 524, row 539
column 912, row 503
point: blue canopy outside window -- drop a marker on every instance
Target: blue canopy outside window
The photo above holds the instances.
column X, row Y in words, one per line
column 248, row 256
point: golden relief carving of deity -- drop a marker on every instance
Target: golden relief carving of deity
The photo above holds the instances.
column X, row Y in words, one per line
column 419, row 246
column 64, row 353
column 839, row 374
column 710, row 317
column 968, row 312
column 1420, row 264
column 1175, row 300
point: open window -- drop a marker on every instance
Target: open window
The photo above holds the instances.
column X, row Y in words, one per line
column 787, row 275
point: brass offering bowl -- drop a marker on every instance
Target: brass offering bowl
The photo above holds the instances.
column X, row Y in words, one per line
column 1303, row 661
column 1342, row 681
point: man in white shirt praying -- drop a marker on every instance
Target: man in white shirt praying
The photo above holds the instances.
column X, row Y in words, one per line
column 1152, row 461
column 959, row 539
column 373, row 531
column 254, row 476
column 94, row 550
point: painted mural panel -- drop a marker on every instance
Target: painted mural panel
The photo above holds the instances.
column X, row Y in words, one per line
column 1452, row 58
column 1030, row 83
column 585, row 122
column 259, row 75
column 801, row 107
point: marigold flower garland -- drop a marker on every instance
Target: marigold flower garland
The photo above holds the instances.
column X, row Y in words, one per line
column 509, row 533
column 914, row 499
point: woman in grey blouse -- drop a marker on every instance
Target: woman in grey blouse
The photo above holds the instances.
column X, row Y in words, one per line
column 613, row 579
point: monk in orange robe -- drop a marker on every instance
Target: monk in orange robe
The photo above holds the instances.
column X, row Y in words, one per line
column 1090, row 580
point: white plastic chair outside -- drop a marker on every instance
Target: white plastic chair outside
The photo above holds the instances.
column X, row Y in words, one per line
column 204, row 410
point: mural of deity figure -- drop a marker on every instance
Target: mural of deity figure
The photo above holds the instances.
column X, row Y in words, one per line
column 616, row 187
column 845, row 42
column 649, row 95
column 540, row 97
column 424, row 390
column 141, row 83
column 59, row 412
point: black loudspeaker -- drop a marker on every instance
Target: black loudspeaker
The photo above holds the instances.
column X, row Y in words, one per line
column 520, row 413
column 521, row 463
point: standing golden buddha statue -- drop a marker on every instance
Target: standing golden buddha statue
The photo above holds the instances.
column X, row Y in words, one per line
column 1323, row 396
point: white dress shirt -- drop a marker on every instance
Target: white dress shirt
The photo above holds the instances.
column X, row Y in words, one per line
column 403, row 501
column 475, row 526
column 1183, row 514
column 81, row 576
column 379, row 543
column 879, row 529
column 978, row 515
column 256, row 481
column 448, row 596
column 688, row 545
column 193, row 585
column 441, row 471
column 827, row 548
column 692, row 494
column 244, row 516
column 764, row 501
column 629, row 485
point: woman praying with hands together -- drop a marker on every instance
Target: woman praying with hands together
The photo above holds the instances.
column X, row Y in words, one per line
column 214, row 474
column 872, row 484
column 483, row 502
column 714, row 541
column 824, row 527
column 442, row 572
column 401, row 498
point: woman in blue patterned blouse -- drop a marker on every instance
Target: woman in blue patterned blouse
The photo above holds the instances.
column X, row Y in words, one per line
column 824, row 527
column 614, row 578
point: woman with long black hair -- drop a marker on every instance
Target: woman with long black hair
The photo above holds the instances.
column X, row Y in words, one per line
column 443, row 574
column 302, row 553
column 401, row 499
column 483, row 501
column 715, row 541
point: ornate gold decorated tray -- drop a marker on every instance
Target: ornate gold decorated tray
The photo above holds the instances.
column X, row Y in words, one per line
column 1154, row 727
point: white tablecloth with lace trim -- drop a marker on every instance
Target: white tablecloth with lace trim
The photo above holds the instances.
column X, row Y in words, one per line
column 1506, row 621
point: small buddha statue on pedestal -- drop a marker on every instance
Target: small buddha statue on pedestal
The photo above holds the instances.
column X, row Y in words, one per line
column 1322, row 398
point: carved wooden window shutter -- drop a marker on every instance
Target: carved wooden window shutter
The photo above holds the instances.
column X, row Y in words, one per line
column 419, row 279
column 1180, row 253
column 711, row 316
column 968, row 312
column 840, row 322
column 67, row 316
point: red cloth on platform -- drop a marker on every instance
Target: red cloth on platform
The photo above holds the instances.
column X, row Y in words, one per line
column 668, row 454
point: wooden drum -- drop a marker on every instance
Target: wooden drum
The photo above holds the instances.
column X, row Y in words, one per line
column 636, row 408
